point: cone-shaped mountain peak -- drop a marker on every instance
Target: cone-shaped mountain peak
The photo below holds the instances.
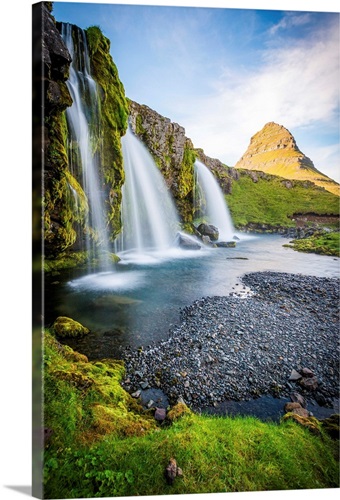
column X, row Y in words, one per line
column 274, row 150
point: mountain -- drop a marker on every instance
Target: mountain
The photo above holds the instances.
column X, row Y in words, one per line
column 274, row 150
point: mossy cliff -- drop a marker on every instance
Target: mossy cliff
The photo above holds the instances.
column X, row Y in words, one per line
column 65, row 205
column 172, row 151
column 113, row 122
column 57, row 210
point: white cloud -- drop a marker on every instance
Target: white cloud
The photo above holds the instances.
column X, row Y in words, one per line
column 290, row 20
column 294, row 86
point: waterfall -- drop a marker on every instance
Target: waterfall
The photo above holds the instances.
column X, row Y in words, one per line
column 83, row 126
column 209, row 196
column 149, row 216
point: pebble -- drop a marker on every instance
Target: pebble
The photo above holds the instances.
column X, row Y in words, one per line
column 237, row 349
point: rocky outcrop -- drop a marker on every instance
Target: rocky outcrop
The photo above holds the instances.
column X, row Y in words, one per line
column 58, row 219
column 172, row 151
column 65, row 204
column 274, row 150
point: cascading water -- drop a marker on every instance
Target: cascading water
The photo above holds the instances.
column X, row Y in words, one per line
column 149, row 217
column 83, row 124
column 215, row 211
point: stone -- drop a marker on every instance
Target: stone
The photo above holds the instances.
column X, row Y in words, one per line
column 136, row 394
column 187, row 242
column 297, row 409
column 172, row 470
column 294, row 375
column 306, row 372
column 160, row 414
column 144, row 384
column 311, row 384
column 208, row 230
column 297, row 398
column 226, row 244
column 64, row 327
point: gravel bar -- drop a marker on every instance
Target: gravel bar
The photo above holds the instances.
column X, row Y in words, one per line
column 233, row 348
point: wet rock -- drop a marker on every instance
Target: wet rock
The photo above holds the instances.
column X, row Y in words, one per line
column 226, row 244
column 297, row 398
column 208, row 230
column 187, row 242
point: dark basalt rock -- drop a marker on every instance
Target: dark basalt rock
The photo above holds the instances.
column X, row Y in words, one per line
column 208, row 230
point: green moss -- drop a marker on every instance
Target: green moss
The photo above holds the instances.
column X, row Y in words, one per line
column 113, row 122
column 64, row 202
column 67, row 327
column 324, row 243
column 184, row 192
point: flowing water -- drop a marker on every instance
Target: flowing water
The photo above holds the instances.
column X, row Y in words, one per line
column 210, row 202
column 149, row 216
column 138, row 302
column 83, row 126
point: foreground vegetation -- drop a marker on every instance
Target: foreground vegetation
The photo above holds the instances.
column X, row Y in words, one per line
column 100, row 442
column 321, row 243
column 269, row 201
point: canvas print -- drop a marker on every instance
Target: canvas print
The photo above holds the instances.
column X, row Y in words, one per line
column 185, row 250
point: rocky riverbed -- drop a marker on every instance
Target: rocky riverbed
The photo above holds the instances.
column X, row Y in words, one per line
column 248, row 344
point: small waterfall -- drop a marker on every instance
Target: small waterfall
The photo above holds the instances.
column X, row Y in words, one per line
column 149, row 216
column 83, row 124
column 210, row 196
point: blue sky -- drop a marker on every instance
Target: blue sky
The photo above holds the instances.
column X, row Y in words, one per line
column 223, row 73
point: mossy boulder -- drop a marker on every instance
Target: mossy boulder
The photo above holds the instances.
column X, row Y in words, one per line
column 64, row 327
column 310, row 423
column 178, row 411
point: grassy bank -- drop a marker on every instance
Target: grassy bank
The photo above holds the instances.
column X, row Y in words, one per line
column 100, row 442
column 321, row 243
column 270, row 201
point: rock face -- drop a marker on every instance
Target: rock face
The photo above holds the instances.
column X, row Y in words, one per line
column 172, row 151
column 274, row 150
column 64, row 224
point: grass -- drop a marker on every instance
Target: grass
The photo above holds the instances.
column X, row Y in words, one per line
column 269, row 201
column 104, row 444
column 321, row 243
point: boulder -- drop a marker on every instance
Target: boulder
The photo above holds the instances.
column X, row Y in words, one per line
column 297, row 398
column 311, row 384
column 208, row 230
column 187, row 242
column 64, row 327
column 297, row 409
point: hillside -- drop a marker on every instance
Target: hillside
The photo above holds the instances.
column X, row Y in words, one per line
column 274, row 150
